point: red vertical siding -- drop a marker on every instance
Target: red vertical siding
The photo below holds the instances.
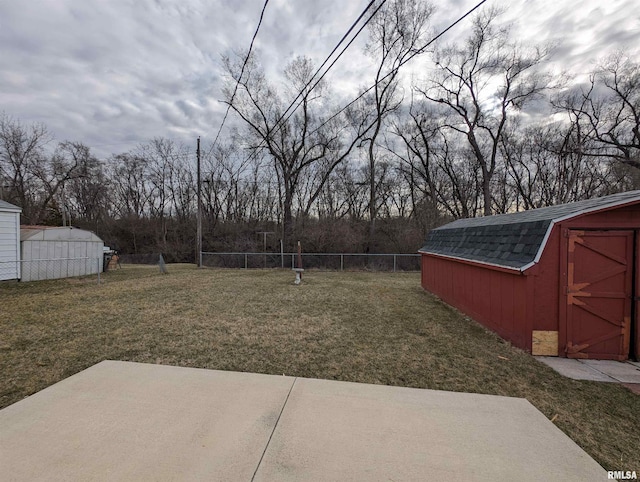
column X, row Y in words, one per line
column 547, row 285
column 514, row 304
column 635, row 329
column 497, row 299
column 507, row 302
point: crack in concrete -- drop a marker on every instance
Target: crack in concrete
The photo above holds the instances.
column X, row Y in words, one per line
column 274, row 429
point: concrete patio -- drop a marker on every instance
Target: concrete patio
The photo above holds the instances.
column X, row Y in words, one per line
column 131, row 421
column 627, row 373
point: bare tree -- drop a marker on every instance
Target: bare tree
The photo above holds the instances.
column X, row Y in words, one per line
column 425, row 149
column 54, row 172
column 350, row 187
column 161, row 163
column 296, row 143
column 21, row 153
column 226, row 193
column 130, row 186
column 87, row 192
column 440, row 173
column 548, row 164
column 483, row 83
column 609, row 108
column 32, row 178
column 397, row 32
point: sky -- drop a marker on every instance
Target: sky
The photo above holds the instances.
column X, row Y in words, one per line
column 116, row 73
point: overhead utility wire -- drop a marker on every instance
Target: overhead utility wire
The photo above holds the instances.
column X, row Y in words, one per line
column 353, row 25
column 395, row 69
column 244, row 64
column 280, row 122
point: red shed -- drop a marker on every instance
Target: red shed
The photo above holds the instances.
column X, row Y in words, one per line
column 561, row 280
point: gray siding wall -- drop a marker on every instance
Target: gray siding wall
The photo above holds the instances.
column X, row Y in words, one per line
column 9, row 246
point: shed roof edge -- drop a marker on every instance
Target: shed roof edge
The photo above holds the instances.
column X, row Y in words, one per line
column 473, row 261
column 28, row 232
column 588, row 210
column 553, row 222
column 543, row 245
column 615, row 204
column 9, row 208
column 545, row 240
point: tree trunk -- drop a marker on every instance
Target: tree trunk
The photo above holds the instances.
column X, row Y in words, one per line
column 287, row 218
column 486, row 192
column 372, row 198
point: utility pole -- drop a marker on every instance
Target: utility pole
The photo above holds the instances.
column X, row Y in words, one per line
column 63, row 208
column 199, row 214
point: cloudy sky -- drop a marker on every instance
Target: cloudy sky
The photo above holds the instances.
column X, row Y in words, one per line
column 115, row 73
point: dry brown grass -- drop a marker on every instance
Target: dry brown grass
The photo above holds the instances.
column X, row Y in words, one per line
column 363, row 327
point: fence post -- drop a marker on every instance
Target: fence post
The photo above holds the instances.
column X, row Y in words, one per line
column 342, row 262
column 245, row 261
column 394, row 263
column 98, row 262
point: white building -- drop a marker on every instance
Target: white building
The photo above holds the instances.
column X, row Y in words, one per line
column 9, row 241
column 50, row 252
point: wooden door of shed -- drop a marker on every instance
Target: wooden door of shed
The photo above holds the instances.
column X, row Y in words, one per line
column 599, row 294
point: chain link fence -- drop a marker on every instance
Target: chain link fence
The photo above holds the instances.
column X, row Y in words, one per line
column 146, row 258
column 46, row 269
column 319, row 261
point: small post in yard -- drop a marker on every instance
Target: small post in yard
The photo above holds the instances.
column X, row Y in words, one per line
column 98, row 260
column 163, row 267
column 394, row 263
column 299, row 269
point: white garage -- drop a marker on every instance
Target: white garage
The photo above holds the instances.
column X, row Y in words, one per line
column 9, row 241
column 50, row 252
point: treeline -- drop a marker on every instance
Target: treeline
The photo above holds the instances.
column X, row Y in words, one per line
column 487, row 130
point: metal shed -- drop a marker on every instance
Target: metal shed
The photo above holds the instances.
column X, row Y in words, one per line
column 50, row 252
column 561, row 280
column 9, row 241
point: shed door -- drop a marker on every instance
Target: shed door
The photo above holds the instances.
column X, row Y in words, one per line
column 599, row 286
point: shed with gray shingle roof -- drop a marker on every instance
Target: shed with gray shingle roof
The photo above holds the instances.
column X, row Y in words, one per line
column 555, row 280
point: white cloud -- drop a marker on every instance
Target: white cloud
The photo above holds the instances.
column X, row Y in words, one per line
column 113, row 74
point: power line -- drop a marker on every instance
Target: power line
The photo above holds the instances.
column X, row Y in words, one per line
column 244, row 64
column 281, row 120
column 344, row 37
column 395, row 69
column 391, row 72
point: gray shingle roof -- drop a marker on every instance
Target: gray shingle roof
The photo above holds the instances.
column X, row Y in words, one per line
column 512, row 240
column 4, row 205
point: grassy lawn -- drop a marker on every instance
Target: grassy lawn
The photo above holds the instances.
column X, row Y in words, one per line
column 363, row 327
